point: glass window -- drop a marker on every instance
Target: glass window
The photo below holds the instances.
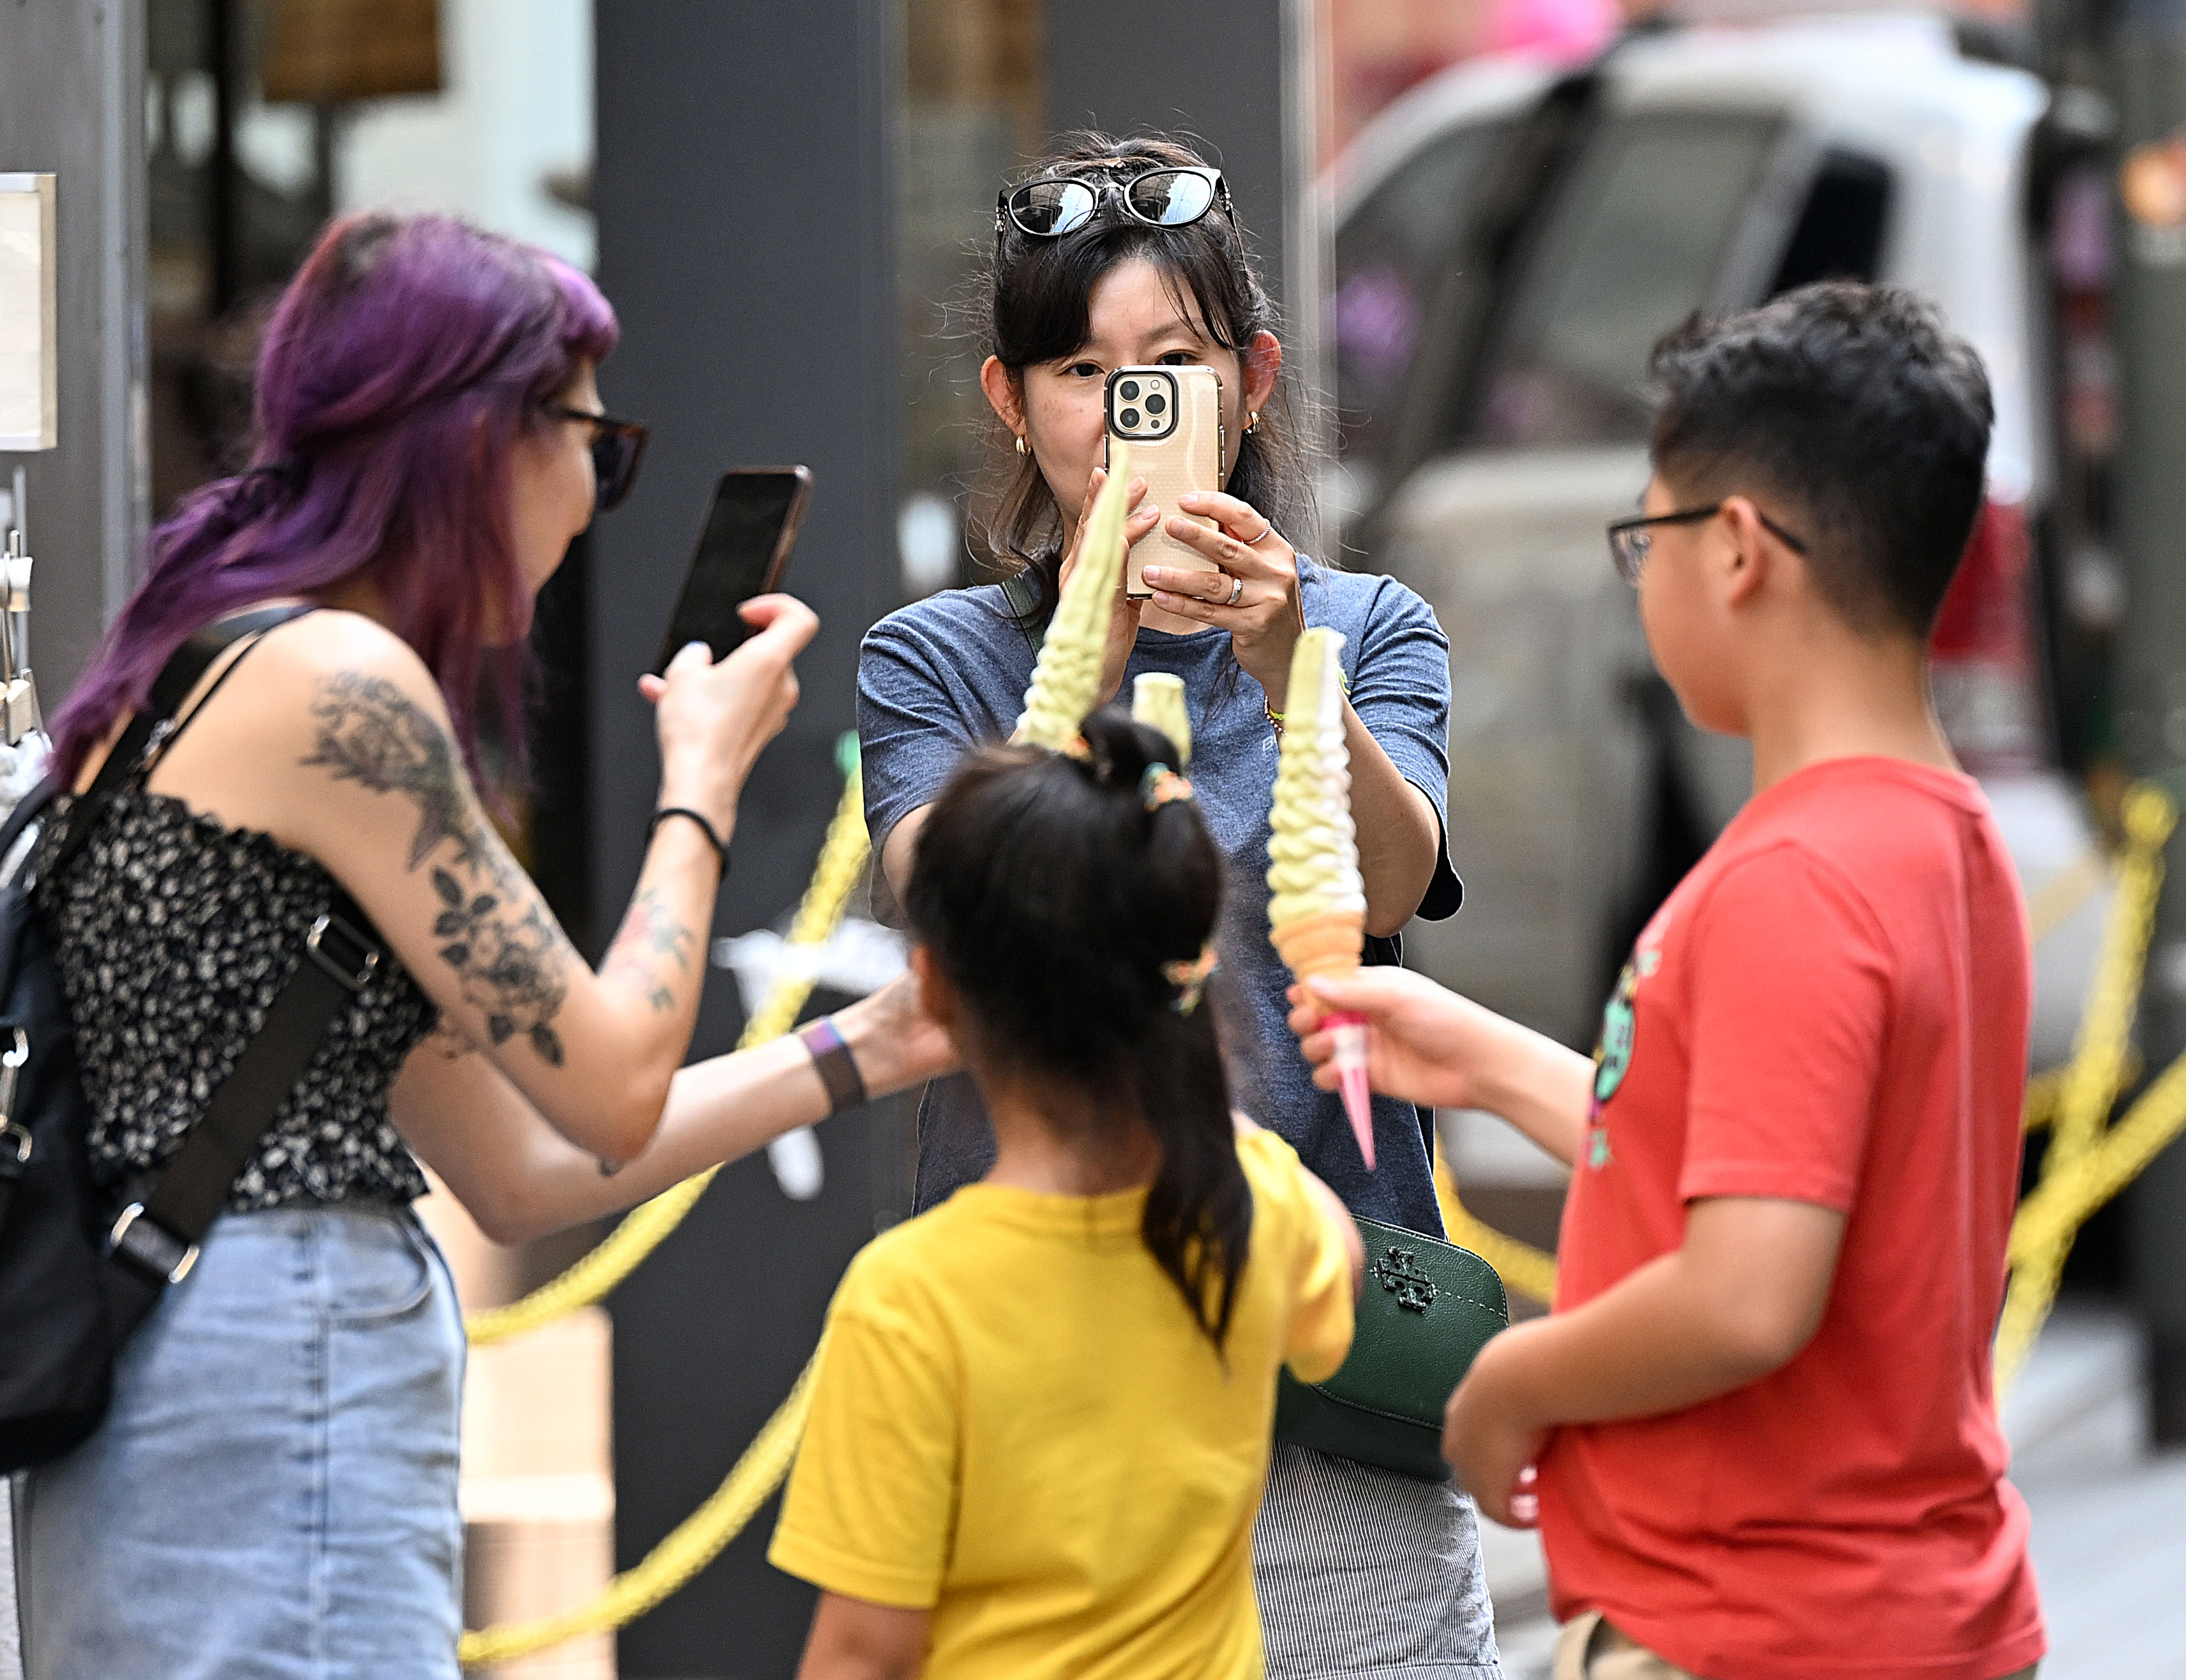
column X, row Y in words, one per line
column 261, row 121
column 1839, row 230
column 1391, row 254
column 974, row 111
column 1633, row 244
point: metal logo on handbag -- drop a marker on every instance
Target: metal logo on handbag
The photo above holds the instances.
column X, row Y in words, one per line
column 1400, row 1273
column 1427, row 1310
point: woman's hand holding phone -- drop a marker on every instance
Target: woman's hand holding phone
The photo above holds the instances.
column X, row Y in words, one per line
column 1124, row 622
column 714, row 719
column 1265, row 620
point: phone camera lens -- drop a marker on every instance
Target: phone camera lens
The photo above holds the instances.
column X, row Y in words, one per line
column 1155, row 402
column 1128, row 390
column 1129, row 419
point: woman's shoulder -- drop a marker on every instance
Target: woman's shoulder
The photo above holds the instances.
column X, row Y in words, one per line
column 950, row 615
column 330, row 646
column 1366, row 597
column 328, row 669
column 1378, row 615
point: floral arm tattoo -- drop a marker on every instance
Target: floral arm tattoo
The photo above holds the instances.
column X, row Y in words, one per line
column 649, row 932
column 510, row 957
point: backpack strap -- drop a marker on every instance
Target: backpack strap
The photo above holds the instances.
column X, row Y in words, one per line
column 152, row 731
column 159, row 1232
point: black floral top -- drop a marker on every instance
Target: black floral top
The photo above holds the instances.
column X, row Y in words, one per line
column 173, row 936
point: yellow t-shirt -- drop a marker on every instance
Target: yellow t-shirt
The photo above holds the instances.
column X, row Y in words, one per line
column 1017, row 1424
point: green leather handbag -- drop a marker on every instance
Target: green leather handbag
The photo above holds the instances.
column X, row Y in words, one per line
column 1427, row 1306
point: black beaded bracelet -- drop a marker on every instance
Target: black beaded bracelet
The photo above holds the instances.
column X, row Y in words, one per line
column 713, row 835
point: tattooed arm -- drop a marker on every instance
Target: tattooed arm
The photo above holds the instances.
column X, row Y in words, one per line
column 336, row 740
column 520, row 1180
column 649, row 933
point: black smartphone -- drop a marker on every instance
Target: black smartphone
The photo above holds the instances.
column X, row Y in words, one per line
column 742, row 552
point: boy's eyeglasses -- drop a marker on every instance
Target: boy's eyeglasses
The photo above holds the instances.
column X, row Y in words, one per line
column 1166, row 196
column 618, row 445
column 1629, row 539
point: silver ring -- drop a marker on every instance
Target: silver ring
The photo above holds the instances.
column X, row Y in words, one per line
column 1266, row 525
column 1236, row 588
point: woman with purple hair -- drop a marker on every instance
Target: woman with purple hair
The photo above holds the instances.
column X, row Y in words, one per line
column 273, row 1491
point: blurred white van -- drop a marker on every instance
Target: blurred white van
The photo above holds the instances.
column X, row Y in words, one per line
column 1510, row 244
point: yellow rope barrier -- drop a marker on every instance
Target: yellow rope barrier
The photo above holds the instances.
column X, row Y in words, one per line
column 2044, row 1092
column 2096, row 1071
column 1522, row 1267
column 2085, row 1166
column 2052, row 903
column 842, row 861
column 700, row 1537
column 694, row 1542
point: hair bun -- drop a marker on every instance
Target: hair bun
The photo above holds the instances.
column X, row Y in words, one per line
column 1120, row 749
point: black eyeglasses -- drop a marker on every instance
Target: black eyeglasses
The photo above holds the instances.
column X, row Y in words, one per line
column 1166, row 196
column 618, row 445
column 1629, row 539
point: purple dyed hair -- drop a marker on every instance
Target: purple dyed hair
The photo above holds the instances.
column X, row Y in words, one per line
column 397, row 371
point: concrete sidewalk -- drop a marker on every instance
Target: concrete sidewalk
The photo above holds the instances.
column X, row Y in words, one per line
column 2109, row 1517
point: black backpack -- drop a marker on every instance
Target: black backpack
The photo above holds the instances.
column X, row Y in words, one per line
column 81, row 1264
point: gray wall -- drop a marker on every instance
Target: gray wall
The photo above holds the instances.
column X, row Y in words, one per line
column 72, row 105
column 2151, row 62
column 745, row 214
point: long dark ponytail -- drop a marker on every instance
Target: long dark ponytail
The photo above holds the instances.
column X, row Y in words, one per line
column 1057, row 904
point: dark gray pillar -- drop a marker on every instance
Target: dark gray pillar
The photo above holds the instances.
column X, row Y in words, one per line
column 1241, row 79
column 2151, row 327
column 72, row 105
column 745, row 214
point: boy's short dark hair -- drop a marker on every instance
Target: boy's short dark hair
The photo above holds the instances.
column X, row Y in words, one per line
column 1850, row 410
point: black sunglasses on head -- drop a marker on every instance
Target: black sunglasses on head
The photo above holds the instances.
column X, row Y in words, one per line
column 1167, row 195
column 618, row 445
column 1629, row 539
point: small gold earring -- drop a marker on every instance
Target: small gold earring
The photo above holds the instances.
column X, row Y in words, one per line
column 1021, row 448
column 1252, row 419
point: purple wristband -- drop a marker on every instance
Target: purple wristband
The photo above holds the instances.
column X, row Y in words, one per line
column 831, row 1056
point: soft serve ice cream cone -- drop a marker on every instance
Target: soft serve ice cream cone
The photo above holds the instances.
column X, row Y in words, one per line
column 1066, row 681
column 1158, row 700
column 1316, row 898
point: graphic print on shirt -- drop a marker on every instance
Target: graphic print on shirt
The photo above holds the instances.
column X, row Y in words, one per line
column 1612, row 1054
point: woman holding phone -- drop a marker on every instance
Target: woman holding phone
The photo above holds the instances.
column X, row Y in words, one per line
column 272, row 1492
column 1112, row 254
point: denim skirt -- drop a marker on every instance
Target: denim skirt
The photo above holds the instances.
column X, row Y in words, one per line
column 272, row 1496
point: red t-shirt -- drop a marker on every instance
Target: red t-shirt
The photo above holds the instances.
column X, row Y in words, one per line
column 1832, row 1008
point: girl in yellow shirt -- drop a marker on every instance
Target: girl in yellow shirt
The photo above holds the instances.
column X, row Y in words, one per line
column 1041, row 1424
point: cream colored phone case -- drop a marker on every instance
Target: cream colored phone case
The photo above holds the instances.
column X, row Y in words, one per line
column 1172, row 419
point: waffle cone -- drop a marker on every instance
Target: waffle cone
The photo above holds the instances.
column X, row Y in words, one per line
column 1326, row 943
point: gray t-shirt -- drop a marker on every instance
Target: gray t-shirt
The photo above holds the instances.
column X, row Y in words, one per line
column 950, row 672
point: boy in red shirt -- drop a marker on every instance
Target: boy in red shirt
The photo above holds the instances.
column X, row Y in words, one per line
column 1759, row 1431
